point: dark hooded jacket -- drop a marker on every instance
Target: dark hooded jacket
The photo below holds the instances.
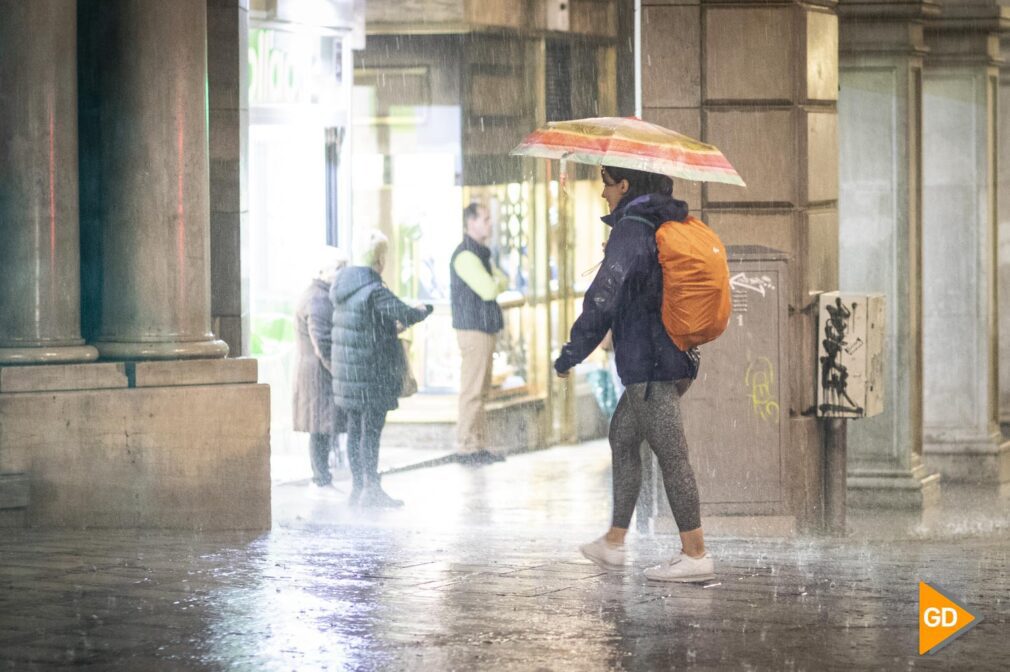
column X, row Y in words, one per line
column 626, row 297
column 367, row 358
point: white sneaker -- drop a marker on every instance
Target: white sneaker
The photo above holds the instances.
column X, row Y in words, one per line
column 684, row 569
column 604, row 553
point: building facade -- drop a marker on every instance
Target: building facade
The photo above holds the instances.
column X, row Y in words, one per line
column 165, row 167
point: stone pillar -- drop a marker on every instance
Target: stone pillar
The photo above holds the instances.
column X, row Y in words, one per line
column 228, row 85
column 759, row 79
column 40, row 318
column 881, row 47
column 1003, row 244
column 960, row 85
column 147, row 106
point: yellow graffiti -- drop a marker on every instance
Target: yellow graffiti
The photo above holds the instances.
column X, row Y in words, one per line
column 760, row 378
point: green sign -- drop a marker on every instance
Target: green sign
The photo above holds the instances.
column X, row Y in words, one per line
column 288, row 68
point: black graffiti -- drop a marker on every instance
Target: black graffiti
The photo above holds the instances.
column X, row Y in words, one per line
column 834, row 374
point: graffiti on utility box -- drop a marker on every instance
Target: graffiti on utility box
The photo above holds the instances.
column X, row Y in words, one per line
column 760, row 379
column 851, row 340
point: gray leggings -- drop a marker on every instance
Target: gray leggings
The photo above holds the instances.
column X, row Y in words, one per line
column 655, row 420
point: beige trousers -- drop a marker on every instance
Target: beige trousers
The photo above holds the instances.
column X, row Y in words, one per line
column 477, row 349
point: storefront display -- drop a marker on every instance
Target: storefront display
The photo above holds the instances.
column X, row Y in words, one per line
column 434, row 119
column 299, row 189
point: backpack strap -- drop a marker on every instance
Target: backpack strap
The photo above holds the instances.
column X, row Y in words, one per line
column 636, row 218
column 646, row 221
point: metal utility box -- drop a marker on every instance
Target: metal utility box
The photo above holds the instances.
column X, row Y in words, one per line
column 850, row 361
column 736, row 414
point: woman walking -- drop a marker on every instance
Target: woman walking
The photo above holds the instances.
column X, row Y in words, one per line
column 368, row 362
column 625, row 297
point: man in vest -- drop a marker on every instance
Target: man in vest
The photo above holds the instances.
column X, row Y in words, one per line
column 477, row 318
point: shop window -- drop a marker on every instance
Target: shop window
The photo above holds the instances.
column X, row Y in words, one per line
column 407, row 159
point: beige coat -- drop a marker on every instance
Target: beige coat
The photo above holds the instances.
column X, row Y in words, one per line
column 313, row 407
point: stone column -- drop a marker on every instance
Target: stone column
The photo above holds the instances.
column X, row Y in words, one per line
column 960, row 85
column 40, row 318
column 227, row 59
column 759, row 79
column 1003, row 244
column 147, row 97
column 881, row 49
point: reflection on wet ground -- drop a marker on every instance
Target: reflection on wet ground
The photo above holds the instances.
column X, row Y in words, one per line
column 480, row 571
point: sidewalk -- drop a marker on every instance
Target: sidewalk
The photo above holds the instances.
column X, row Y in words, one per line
column 480, row 572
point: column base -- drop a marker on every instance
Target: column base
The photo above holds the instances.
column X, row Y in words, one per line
column 913, row 489
column 981, row 460
column 130, row 350
column 177, row 447
column 48, row 354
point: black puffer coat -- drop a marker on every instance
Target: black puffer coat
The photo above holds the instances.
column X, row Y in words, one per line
column 367, row 361
column 314, row 410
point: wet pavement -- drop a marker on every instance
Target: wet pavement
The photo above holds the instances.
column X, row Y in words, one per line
column 479, row 571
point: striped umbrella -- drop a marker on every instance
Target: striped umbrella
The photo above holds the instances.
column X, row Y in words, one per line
column 629, row 142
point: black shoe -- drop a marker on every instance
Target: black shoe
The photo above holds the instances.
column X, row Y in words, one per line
column 374, row 497
column 355, row 497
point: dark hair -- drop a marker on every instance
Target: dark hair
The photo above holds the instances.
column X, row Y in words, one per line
column 471, row 212
column 640, row 182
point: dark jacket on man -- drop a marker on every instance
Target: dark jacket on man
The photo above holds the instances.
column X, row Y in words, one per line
column 469, row 311
column 313, row 407
column 626, row 297
column 367, row 358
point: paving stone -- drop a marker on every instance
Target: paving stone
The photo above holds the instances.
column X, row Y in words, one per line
column 450, row 582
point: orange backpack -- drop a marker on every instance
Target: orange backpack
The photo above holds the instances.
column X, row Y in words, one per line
column 696, row 293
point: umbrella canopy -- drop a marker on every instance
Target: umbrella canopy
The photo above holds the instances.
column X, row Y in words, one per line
column 629, row 142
